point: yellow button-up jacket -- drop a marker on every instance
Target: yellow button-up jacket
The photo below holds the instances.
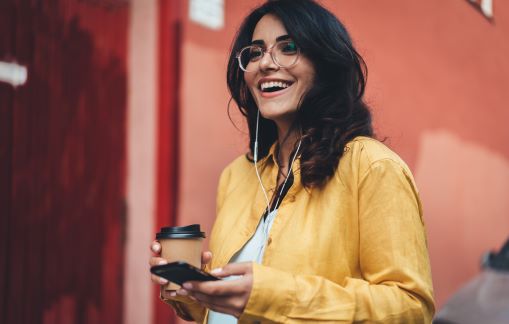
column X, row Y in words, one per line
column 352, row 251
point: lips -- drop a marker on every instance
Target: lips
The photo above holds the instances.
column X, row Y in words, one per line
column 273, row 85
column 270, row 87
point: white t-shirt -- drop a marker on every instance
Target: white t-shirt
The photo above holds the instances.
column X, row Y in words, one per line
column 253, row 250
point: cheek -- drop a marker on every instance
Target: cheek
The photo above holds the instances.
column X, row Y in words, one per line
column 306, row 83
column 308, row 74
column 249, row 79
column 309, row 81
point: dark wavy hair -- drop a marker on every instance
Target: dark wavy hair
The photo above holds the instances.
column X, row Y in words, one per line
column 332, row 112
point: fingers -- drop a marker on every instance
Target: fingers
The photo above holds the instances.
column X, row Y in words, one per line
column 157, row 261
column 206, row 257
column 233, row 269
column 211, row 302
column 158, row 280
column 171, row 294
column 168, row 294
column 155, row 247
column 218, row 288
column 228, row 300
column 225, row 296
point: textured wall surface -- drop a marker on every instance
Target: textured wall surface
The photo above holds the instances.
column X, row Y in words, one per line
column 63, row 163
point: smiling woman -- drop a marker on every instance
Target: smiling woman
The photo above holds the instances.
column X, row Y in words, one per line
column 319, row 221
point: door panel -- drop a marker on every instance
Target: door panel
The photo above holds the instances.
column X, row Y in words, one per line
column 63, row 163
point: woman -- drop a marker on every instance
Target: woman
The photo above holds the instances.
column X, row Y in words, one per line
column 319, row 222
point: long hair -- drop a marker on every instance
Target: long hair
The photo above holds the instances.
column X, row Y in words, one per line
column 332, row 112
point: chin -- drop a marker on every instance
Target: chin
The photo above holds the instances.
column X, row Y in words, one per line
column 277, row 115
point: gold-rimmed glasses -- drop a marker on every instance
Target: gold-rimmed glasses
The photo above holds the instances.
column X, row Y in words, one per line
column 284, row 53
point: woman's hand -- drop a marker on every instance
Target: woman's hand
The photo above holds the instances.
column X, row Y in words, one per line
column 224, row 296
column 157, row 260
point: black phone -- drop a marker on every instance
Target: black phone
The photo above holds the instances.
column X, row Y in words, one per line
column 180, row 272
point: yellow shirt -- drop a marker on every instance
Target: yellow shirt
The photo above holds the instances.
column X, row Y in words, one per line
column 352, row 251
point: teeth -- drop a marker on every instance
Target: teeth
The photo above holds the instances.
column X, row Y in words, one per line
column 272, row 84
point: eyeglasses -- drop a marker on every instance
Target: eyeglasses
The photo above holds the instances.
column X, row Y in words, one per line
column 284, row 53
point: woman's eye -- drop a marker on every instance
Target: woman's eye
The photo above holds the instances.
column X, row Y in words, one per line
column 289, row 48
column 255, row 54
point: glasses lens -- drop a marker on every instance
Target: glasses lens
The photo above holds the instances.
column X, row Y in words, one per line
column 248, row 56
column 286, row 53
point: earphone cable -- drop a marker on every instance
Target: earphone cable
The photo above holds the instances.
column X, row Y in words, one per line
column 255, row 156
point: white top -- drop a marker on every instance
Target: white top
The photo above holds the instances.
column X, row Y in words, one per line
column 253, row 250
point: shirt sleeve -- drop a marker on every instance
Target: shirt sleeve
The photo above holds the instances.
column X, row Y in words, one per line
column 186, row 308
column 395, row 284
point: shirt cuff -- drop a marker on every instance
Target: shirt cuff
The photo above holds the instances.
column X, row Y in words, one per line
column 186, row 308
column 271, row 297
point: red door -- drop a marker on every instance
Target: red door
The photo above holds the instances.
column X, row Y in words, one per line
column 62, row 162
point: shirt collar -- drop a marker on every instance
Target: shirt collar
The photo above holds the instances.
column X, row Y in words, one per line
column 272, row 156
column 272, row 153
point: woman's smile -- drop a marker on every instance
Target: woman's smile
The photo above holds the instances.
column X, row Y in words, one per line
column 272, row 87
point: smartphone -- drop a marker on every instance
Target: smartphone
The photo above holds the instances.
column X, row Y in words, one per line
column 180, row 272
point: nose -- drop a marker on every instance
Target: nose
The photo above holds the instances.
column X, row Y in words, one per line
column 267, row 62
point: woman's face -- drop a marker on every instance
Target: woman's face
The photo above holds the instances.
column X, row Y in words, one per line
column 281, row 105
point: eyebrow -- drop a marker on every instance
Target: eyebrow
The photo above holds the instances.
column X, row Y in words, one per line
column 279, row 38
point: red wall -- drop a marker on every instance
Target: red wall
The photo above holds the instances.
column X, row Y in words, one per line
column 62, row 162
column 438, row 88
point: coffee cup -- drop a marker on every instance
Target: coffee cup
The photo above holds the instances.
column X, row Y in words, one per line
column 181, row 243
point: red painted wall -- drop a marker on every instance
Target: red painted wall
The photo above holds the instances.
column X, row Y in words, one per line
column 438, row 80
column 62, row 162
column 438, row 88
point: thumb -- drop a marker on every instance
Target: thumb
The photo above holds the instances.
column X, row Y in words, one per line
column 233, row 269
column 206, row 257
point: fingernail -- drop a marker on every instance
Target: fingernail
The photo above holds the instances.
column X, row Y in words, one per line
column 182, row 292
column 187, row 285
column 173, row 294
column 163, row 281
column 155, row 247
column 162, row 262
column 216, row 271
